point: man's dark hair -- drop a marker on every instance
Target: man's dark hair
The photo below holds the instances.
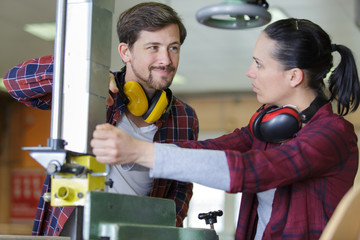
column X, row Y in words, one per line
column 147, row 16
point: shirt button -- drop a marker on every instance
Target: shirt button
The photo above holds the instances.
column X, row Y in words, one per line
column 40, row 77
column 57, row 229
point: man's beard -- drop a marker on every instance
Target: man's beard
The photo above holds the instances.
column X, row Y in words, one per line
column 150, row 80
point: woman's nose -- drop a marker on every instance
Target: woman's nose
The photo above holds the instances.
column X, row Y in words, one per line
column 250, row 72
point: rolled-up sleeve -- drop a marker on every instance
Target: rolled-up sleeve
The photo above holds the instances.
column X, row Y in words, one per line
column 31, row 82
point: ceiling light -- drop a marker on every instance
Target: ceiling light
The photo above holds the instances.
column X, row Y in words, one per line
column 45, row 31
column 235, row 14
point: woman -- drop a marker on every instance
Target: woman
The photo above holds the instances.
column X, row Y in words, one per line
column 296, row 158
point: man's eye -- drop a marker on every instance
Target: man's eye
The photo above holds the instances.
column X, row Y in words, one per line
column 153, row 47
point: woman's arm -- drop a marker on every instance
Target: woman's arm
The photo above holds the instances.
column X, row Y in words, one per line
column 206, row 167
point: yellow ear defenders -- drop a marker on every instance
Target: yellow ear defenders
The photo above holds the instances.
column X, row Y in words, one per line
column 140, row 106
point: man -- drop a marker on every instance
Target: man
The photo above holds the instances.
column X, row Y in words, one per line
column 150, row 36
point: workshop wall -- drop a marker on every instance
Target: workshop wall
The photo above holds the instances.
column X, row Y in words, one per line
column 21, row 177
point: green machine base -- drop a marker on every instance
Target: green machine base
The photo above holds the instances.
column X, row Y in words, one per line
column 109, row 216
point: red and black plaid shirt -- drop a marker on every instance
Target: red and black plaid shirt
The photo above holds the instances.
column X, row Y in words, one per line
column 311, row 174
column 31, row 83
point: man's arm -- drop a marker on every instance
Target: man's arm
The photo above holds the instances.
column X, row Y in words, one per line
column 30, row 82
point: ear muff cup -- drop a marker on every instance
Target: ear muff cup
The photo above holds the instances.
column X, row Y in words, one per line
column 158, row 105
column 256, row 119
column 139, row 105
column 275, row 124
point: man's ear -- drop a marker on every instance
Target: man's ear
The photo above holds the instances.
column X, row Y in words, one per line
column 296, row 77
column 124, row 52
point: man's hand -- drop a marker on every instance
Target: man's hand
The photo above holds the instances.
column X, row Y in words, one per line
column 112, row 145
column 113, row 88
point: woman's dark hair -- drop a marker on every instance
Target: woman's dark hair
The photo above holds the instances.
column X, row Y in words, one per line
column 147, row 16
column 303, row 44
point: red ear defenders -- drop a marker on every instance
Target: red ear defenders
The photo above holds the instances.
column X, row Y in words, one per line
column 275, row 124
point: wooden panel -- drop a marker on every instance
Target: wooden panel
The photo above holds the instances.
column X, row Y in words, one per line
column 209, row 112
column 223, row 113
column 354, row 118
column 7, row 107
column 5, row 188
column 36, row 132
column 19, row 126
column 16, row 228
column 238, row 112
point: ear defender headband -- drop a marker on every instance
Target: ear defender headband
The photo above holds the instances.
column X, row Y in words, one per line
column 139, row 105
column 277, row 124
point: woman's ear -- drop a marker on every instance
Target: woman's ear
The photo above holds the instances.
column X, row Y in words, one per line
column 296, row 77
column 124, row 52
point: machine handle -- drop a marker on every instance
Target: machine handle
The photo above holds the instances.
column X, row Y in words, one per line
column 211, row 217
column 102, row 174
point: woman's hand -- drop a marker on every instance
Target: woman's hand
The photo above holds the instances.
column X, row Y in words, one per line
column 112, row 145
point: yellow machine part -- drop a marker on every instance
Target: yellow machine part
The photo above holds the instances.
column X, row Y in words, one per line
column 70, row 190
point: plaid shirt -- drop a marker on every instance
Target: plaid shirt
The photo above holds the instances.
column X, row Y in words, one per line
column 31, row 83
column 311, row 173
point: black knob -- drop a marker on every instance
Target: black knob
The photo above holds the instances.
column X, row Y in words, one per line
column 210, row 217
column 109, row 183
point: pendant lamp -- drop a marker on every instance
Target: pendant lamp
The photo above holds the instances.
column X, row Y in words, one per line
column 235, row 14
